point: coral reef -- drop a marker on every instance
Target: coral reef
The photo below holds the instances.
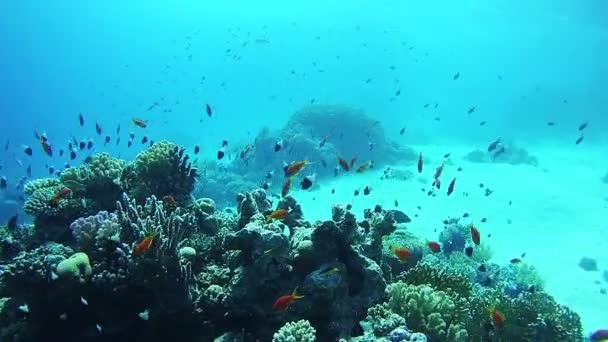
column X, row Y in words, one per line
column 136, row 257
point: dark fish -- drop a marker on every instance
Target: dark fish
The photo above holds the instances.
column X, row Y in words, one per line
column 357, row 192
column 349, row 206
column 398, row 215
column 3, row 182
column 51, row 170
column 130, row 143
column 118, row 129
column 208, row 110
column 220, row 153
column 550, row 123
column 72, row 155
column 28, row 150
column 265, row 185
column 447, row 155
column 427, row 105
column 88, row 160
column 12, row 223
column 493, row 145
column 98, row 128
column 224, row 143
column 582, row 126
column 151, row 143
column 131, row 135
column 402, row 131
column 196, row 149
column 482, row 123
column 482, row 268
column 420, row 163
column 82, row 145
column 107, row 140
column 531, row 288
column 579, row 140
column 469, row 251
column 117, row 140
column 61, row 153
column 278, row 145
column 471, row 110
column 81, row 119
column 366, row 190
column 398, row 92
column 29, row 171
column 144, row 140
column 484, row 220
column 89, row 145
column 307, row 182
column 451, row 186
column 456, row 76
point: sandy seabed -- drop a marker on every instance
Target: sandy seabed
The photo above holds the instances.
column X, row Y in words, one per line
column 558, row 212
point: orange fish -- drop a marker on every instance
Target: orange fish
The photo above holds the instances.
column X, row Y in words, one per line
column 343, row 163
column 364, row 166
column 474, row 234
column 498, row 318
column 283, row 302
column 279, row 214
column 65, row 192
column 285, row 188
column 295, row 167
column 401, row 253
column 140, row 122
column 144, row 245
column 434, row 246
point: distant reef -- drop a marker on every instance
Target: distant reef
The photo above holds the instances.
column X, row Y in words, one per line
column 505, row 153
column 319, row 134
column 129, row 255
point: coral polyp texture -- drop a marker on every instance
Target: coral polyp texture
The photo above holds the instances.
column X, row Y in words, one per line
column 130, row 255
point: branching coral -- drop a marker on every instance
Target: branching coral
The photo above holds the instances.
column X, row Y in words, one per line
column 300, row 331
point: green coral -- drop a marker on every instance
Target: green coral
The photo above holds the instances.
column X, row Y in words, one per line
column 38, row 203
column 162, row 170
column 427, row 310
column 300, row 331
column 381, row 320
column 75, row 267
column 40, row 184
column 440, row 276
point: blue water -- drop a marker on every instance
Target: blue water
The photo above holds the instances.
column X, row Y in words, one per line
column 521, row 64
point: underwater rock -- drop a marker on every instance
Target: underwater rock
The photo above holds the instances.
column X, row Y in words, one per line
column 251, row 204
column 506, row 153
column 588, row 264
column 399, row 216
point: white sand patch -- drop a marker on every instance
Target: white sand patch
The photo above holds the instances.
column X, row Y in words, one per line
column 558, row 212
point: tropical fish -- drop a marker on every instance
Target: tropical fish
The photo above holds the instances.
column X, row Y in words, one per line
column 307, row 182
column 278, row 214
column 364, row 166
column 451, row 186
column 420, row 163
column 208, row 110
column 471, row 110
column 582, row 126
column 344, row 164
column 27, row 150
column 107, row 140
column 220, row 153
column 456, row 76
column 46, row 146
column 3, row 182
column 434, row 246
column 402, row 253
column 323, row 141
column 286, row 187
column 81, row 119
column 498, row 318
column 475, row 236
column 278, row 145
column 295, row 167
column 402, row 131
column 580, row 139
column 516, row 261
column 59, row 195
column 144, row 245
column 140, row 122
column 493, row 145
column 196, row 149
column 284, row 301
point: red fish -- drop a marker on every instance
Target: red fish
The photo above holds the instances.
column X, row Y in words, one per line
column 343, row 163
column 434, row 246
column 286, row 186
column 498, row 318
column 363, row 166
column 420, row 163
column 279, row 214
column 98, row 128
column 451, row 186
column 140, row 122
column 208, row 110
column 63, row 193
column 283, row 302
column 81, row 119
column 295, row 167
column 475, row 236
column 401, row 253
column 144, row 245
